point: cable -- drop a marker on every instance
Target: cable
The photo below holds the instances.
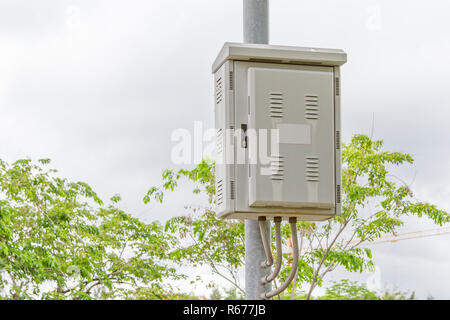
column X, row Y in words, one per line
column 275, row 271
column 281, row 288
column 265, row 241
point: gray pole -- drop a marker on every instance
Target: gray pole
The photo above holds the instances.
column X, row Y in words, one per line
column 256, row 21
column 256, row 30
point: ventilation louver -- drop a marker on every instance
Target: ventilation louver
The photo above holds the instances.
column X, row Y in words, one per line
column 219, row 192
column 276, row 104
column 311, row 107
column 277, row 167
column 219, row 90
column 219, row 141
column 312, row 168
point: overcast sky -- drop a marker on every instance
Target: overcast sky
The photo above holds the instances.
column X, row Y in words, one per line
column 98, row 86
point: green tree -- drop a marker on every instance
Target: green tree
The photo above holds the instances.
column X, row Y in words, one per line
column 396, row 294
column 58, row 241
column 206, row 240
column 352, row 290
column 348, row 290
column 374, row 203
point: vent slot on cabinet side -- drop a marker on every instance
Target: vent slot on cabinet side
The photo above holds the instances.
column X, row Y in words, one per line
column 219, row 141
column 276, row 101
column 219, row 192
column 232, row 190
column 312, row 169
column 338, row 140
column 219, row 90
column 311, row 106
column 277, row 167
column 337, row 86
column 338, row 193
column 230, row 78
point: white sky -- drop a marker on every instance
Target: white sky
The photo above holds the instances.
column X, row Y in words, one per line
column 98, row 86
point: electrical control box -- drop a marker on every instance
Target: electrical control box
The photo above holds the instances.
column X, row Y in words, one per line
column 277, row 119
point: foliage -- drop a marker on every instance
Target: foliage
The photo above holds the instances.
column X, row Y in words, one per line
column 58, row 240
column 145, row 293
column 373, row 205
column 229, row 294
column 202, row 174
column 396, row 294
column 209, row 241
column 352, row 290
column 348, row 290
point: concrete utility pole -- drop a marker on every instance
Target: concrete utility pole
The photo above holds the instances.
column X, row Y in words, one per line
column 256, row 30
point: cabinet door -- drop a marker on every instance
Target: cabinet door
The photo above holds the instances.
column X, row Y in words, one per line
column 292, row 156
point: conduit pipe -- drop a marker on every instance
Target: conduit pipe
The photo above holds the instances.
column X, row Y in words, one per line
column 276, row 271
column 282, row 287
column 267, row 247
